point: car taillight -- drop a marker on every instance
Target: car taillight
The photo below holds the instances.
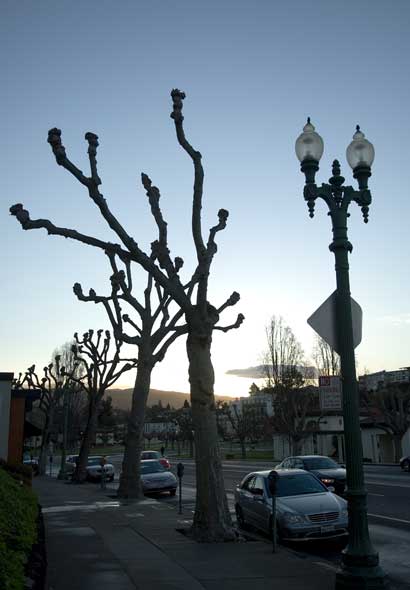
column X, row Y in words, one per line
column 165, row 463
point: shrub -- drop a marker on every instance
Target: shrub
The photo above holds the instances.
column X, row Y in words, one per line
column 18, row 531
column 18, row 471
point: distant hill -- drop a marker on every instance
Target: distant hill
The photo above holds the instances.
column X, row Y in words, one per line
column 121, row 398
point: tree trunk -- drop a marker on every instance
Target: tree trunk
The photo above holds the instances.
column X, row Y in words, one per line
column 80, row 473
column 243, row 448
column 397, row 447
column 42, row 459
column 212, row 520
column 130, row 482
column 296, row 445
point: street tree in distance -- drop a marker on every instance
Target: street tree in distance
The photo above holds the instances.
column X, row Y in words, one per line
column 326, row 359
column 102, row 366
column 288, row 379
column 212, row 519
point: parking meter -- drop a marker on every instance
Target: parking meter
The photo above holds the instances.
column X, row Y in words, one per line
column 180, row 473
column 273, row 485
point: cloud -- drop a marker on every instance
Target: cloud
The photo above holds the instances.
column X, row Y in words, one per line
column 397, row 319
column 259, row 372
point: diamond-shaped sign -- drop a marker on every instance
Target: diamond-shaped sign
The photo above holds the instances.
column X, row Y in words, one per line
column 323, row 321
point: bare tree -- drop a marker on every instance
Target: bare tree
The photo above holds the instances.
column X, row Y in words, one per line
column 283, row 358
column 212, row 520
column 244, row 423
column 51, row 388
column 326, row 358
column 286, row 378
column 151, row 327
column 100, row 372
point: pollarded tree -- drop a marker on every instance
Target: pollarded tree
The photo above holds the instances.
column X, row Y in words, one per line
column 212, row 520
column 100, row 372
column 51, row 386
column 151, row 328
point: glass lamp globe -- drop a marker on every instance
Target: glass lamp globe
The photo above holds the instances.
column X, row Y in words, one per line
column 360, row 152
column 309, row 144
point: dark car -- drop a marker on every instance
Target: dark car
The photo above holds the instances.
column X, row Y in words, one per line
column 31, row 462
column 405, row 463
column 327, row 470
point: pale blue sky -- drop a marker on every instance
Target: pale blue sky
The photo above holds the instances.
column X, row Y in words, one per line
column 252, row 72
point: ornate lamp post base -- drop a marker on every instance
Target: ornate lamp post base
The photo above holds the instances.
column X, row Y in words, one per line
column 360, row 577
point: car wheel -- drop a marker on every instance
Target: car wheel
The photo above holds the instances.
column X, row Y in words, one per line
column 240, row 519
column 406, row 466
column 172, row 492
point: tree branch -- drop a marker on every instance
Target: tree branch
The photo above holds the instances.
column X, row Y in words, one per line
column 238, row 322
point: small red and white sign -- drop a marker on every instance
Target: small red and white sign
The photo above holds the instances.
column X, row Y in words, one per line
column 330, row 392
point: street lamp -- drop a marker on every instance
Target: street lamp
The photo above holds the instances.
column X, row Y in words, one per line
column 359, row 567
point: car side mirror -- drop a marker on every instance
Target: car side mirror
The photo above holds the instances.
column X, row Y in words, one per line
column 343, row 465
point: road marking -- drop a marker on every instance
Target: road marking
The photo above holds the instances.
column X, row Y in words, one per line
column 390, row 485
column 373, row 494
column 390, row 518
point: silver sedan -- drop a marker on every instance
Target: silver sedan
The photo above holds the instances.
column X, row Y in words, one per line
column 305, row 509
column 155, row 478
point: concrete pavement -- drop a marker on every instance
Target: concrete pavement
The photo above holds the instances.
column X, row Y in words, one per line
column 95, row 541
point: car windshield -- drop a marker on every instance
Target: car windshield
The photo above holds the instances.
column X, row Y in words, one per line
column 149, row 455
column 94, row 461
column 299, row 483
column 151, row 467
column 320, row 463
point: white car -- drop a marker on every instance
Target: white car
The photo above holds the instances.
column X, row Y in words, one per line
column 93, row 467
column 156, row 478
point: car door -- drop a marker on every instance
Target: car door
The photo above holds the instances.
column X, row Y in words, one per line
column 259, row 506
column 246, row 498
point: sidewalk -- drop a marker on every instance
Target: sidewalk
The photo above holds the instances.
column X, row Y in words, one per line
column 96, row 542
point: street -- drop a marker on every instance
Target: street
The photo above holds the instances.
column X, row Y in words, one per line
column 388, row 509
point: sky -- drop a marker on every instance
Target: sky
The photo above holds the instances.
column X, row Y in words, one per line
column 252, row 73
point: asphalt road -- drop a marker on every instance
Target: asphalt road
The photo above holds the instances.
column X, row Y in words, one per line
column 388, row 510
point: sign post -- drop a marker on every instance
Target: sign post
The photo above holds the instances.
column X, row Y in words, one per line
column 272, row 483
column 51, row 464
column 180, row 473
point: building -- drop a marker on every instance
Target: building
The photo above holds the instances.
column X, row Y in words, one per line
column 374, row 381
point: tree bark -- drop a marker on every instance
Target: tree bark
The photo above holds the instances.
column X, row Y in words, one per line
column 212, row 520
column 397, row 447
column 80, row 473
column 130, row 482
column 42, row 460
column 243, row 449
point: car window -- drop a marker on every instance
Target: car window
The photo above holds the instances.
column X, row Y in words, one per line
column 149, row 455
column 151, row 467
column 299, row 483
column 298, row 464
column 291, row 464
column 320, row 463
column 259, row 485
column 94, row 461
column 248, row 484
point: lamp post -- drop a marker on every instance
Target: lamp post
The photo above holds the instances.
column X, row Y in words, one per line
column 359, row 569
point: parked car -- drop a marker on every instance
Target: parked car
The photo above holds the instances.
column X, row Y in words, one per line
column 327, row 470
column 305, row 508
column 31, row 462
column 145, row 455
column 156, row 478
column 93, row 467
column 405, row 463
